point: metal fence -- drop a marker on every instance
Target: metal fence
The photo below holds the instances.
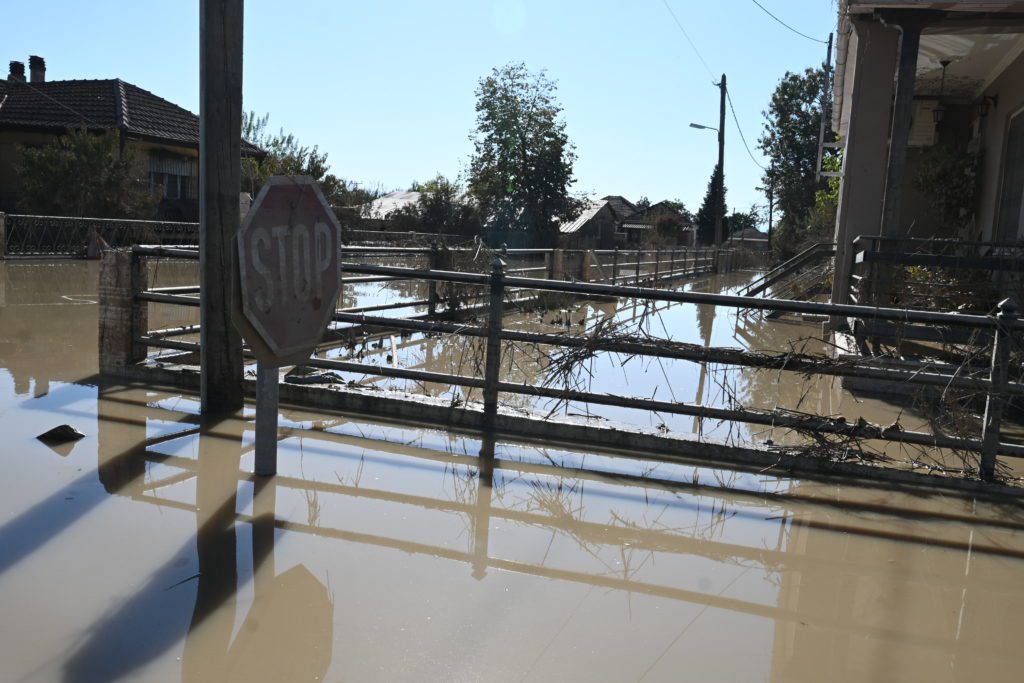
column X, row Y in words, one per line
column 1004, row 329
column 63, row 236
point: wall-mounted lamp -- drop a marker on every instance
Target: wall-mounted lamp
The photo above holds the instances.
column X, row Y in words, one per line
column 985, row 103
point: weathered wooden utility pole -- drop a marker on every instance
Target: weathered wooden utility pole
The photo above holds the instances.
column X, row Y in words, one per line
column 220, row 135
column 826, row 96
column 771, row 203
column 721, row 164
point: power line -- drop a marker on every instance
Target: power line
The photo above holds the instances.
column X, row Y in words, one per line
column 765, row 10
column 60, row 104
column 740, row 130
column 710, row 73
column 688, row 39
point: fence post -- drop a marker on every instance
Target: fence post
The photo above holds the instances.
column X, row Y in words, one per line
column 122, row 318
column 492, row 358
column 557, row 264
column 615, row 266
column 587, row 255
column 639, row 260
column 657, row 265
column 432, row 284
column 997, row 376
column 672, row 263
column 3, row 235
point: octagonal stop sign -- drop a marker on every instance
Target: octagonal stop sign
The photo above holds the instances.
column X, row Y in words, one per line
column 288, row 277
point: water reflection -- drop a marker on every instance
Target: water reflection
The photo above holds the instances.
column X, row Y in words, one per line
column 268, row 646
column 379, row 553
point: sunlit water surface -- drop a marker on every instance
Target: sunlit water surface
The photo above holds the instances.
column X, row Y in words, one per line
column 147, row 551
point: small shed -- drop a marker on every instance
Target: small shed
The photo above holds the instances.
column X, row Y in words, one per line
column 594, row 228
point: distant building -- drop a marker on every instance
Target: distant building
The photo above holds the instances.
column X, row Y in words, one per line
column 637, row 227
column 164, row 136
column 615, row 221
column 594, row 228
column 748, row 238
column 383, row 208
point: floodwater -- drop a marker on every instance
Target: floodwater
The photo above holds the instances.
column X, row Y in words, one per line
column 148, row 552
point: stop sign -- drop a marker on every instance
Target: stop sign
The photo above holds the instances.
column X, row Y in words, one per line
column 288, row 270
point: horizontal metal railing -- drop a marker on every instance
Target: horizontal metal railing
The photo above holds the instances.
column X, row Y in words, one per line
column 992, row 383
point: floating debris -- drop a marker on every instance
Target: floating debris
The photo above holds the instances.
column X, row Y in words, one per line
column 61, row 434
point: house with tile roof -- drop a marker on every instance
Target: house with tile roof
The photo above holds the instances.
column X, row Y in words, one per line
column 638, row 226
column 164, row 136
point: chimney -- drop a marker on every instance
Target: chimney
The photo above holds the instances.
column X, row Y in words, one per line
column 36, row 69
column 17, row 72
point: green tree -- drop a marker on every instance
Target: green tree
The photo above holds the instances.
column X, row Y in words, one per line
column 286, row 156
column 444, row 209
column 738, row 221
column 522, row 165
column 705, row 219
column 790, row 141
column 84, row 174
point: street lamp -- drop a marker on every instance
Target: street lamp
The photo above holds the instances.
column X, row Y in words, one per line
column 721, row 178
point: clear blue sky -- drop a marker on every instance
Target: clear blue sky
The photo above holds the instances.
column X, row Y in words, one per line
column 386, row 88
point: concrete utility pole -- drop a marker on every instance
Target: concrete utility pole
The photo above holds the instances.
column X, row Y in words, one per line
column 721, row 165
column 220, row 134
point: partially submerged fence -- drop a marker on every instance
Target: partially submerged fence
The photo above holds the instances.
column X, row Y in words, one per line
column 63, row 236
column 125, row 296
column 879, row 267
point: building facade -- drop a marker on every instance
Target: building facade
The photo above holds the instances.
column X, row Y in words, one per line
column 35, row 111
column 929, row 109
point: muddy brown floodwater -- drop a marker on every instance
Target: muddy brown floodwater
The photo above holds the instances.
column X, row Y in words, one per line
column 148, row 552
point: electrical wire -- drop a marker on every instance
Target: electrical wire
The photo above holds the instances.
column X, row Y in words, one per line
column 765, row 10
column 688, row 39
column 736, row 119
column 710, row 73
column 59, row 103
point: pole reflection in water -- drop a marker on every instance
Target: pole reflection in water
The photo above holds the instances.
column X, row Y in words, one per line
column 481, row 519
column 270, row 645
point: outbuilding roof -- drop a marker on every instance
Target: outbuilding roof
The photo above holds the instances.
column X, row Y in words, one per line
column 593, row 207
column 106, row 104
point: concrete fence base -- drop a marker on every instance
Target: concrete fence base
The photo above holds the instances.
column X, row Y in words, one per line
column 122, row 319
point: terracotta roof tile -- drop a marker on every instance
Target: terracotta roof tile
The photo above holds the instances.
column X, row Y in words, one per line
column 99, row 104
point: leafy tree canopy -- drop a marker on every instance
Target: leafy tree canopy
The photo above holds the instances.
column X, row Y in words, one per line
column 443, row 208
column 522, row 165
column 84, row 174
column 286, row 156
column 790, row 141
column 738, row 221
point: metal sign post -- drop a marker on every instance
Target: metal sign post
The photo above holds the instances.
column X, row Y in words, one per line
column 266, row 420
column 287, row 284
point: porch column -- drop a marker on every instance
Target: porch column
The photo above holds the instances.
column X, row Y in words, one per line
column 872, row 51
column 902, row 117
